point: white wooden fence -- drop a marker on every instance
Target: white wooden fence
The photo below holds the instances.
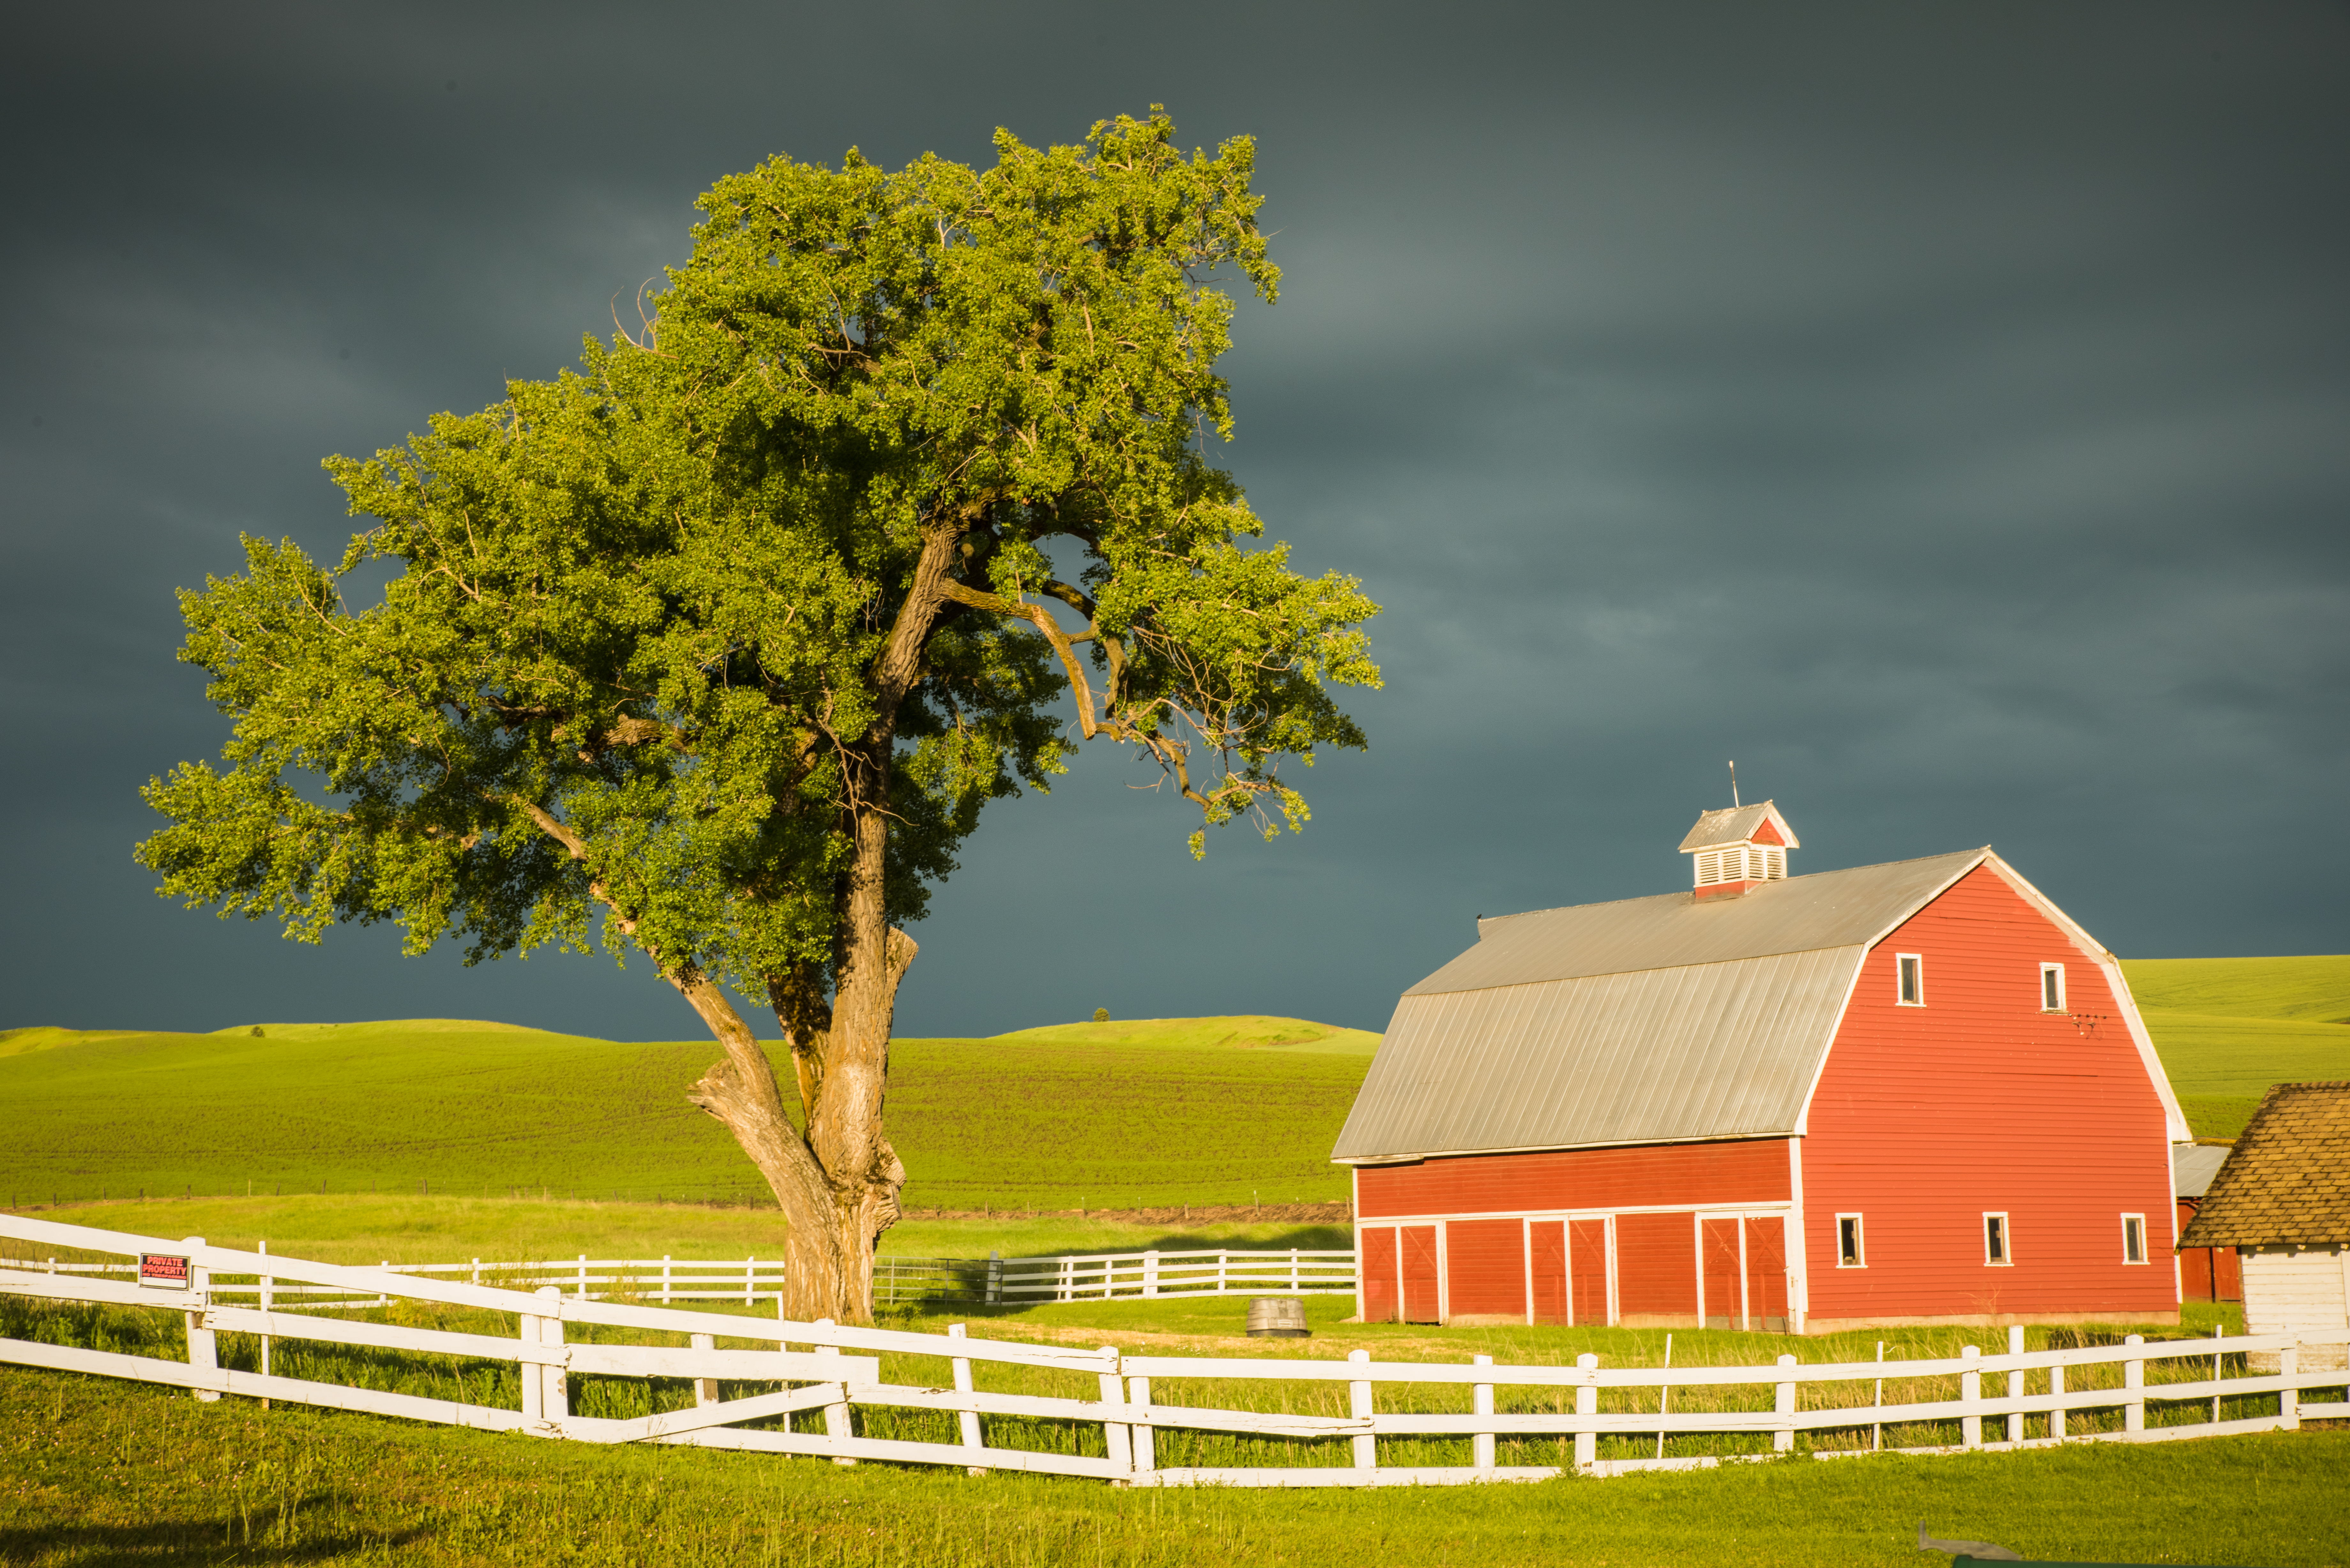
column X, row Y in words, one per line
column 897, row 1279
column 841, row 1370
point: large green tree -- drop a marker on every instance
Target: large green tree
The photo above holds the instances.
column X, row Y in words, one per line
column 714, row 647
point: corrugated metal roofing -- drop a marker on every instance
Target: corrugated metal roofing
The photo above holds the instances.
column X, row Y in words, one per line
column 1826, row 910
column 2192, row 1167
column 1654, row 1056
column 1649, row 1020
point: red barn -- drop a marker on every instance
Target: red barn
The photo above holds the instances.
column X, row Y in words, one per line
column 1914, row 1093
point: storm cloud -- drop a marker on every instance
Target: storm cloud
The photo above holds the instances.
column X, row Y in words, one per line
column 1943, row 409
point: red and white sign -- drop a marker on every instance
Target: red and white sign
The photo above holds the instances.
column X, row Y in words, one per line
column 167, row 1270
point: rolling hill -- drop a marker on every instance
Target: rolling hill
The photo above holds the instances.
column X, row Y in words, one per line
column 2228, row 1028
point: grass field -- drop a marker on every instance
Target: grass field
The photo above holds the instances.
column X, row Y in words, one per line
column 2228, row 1028
column 1202, row 1111
column 93, row 1472
column 1128, row 1113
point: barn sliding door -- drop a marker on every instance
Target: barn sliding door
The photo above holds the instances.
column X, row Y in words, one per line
column 1546, row 1258
column 1587, row 1260
column 1382, row 1301
column 1721, row 1272
column 1766, row 1274
column 1423, row 1299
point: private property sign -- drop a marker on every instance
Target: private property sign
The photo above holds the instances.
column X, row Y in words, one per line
column 167, row 1271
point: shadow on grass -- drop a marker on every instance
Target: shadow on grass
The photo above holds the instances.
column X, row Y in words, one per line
column 185, row 1540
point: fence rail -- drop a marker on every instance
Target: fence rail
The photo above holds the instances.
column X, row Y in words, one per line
column 839, row 1374
column 897, row 1281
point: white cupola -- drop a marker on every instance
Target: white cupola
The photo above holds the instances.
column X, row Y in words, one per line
column 1738, row 847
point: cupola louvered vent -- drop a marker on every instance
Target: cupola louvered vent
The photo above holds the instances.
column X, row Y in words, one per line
column 1735, row 849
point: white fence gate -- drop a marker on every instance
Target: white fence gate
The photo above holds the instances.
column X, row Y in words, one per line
column 841, row 1370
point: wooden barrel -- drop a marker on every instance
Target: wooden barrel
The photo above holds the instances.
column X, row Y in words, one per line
column 1277, row 1317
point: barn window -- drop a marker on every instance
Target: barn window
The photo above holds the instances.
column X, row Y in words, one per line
column 1911, row 972
column 1998, row 1246
column 2133, row 1238
column 1850, row 1253
column 2052, row 987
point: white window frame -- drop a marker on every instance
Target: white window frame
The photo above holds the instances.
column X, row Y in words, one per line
column 1860, row 1242
column 2139, row 1236
column 2057, row 971
column 2006, row 1240
column 1908, row 967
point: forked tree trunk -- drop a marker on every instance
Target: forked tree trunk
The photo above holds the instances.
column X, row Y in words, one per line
column 838, row 1187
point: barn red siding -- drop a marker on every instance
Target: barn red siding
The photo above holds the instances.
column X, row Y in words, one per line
column 1589, row 1251
column 1420, row 1298
column 1926, row 1118
column 1485, row 1268
column 1754, row 1170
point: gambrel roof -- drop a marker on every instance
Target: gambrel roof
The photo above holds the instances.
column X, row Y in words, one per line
column 1658, row 1020
column 2287, row 1180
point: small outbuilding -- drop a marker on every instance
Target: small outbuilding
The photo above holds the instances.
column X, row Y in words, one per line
column 2283, row 1200
column 1913, row 1093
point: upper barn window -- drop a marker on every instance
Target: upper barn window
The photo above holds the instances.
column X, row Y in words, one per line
column 1909, row 979
column 2052, row 987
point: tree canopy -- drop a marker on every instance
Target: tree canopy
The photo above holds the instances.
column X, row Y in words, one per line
column 715, row 647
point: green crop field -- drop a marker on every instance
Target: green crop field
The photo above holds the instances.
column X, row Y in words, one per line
column 1202, row 1111
column 2228, row 1028
column 1128, row 1113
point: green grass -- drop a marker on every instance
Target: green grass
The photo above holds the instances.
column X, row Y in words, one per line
column 2228, row 1028
column 97, row 1471
column 1236, row 1110
column 407, row 1229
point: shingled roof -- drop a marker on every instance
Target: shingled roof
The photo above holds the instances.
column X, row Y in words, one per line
column 2287, row 1181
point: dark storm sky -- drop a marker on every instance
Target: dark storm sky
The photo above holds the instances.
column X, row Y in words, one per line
column 1942, row 408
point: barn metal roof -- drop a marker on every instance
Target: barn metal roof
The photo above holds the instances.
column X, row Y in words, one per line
column 1649, row 1021
column 2192, row 1167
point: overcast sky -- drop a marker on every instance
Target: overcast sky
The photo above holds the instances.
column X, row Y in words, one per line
column 1941, row 408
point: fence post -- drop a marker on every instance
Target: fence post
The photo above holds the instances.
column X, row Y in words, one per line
column 2289, row 1396
column 2056, row 1389
column 968, row 1418
column 201, row 1351
column 750, row 1266
column 1223, row 1268
column 555, row 1403
column 382, row 1299
column 582, row 1276
column 994, row 1278
column 534, row 1386
column 1877, row 1437
column 1586, row 1403
column 1358, row 1405
column 705, row 1389
column 837, row 1424
column 664, row 1279
column 1481, row 1403
column 2015, row 1384
column 267, row 1298
column 477, row 1270
column 1783, row 1440
column 1150, row 1275
column 1970, row 1393
column 1146, row 1435
column 2134, row 1387
column 1292, row 1270
column 1117, row 1436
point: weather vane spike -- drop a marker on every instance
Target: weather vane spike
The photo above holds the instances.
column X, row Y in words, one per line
column 1733, row 782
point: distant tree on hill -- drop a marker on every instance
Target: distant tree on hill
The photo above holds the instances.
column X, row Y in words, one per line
column 715, row 647
column 1101, row 1015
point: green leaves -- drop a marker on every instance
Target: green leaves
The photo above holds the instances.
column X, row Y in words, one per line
column 666, row 627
